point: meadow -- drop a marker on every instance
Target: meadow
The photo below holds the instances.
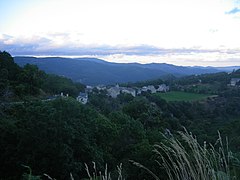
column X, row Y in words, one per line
column 182, row 96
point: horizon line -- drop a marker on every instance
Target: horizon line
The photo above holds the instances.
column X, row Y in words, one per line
column 101, row 59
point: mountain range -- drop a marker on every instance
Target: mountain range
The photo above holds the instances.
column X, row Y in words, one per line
column 93, row 71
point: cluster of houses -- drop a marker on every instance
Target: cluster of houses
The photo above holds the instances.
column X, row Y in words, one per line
column 116, row 90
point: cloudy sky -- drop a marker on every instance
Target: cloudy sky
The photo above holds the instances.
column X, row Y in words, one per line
column 181, row 32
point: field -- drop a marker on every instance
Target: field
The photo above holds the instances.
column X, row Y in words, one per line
column 182, row 96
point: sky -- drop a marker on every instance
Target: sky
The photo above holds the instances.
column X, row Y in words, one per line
column 180, row 32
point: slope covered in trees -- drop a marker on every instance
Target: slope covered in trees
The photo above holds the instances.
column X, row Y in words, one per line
column 17, row 83
column 93, row 71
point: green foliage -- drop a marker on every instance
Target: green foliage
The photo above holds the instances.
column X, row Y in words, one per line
column 203, row 84
column 182, row 96
column 55, row 85
column 136, row 107
column 7, row 63
column 53, row 138
column 125, row 98
column 189, row 160
column 204, row 78
column 8, row 75
column 31, row 78
column 103, row 103
column 18, row 83
column 145, row 83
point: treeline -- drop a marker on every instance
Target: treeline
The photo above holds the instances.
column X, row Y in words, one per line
column 204, row 118
column 57, row 137
column 216, row 83
column 17, row 83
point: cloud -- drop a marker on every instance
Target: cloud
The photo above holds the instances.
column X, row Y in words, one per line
column 23, row 45
column 233, row 11
column 38, row 46
column 49, row 46
column 61, row 44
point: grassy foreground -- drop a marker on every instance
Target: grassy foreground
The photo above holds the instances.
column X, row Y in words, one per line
column 182, row 159
column 182, row 96
column 186, row 159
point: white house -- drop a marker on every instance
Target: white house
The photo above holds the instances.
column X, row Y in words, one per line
column 128, row 91
column 88, row 89
column 82, row 98
column 150, row 88
column 234, row 81
column 163, row 88
column 101, row 87
column 139, row 91
column 114, row 91
column 144, row 89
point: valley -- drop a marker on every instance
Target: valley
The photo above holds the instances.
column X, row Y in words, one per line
column 60, row 124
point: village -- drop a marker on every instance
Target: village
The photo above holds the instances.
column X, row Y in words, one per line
column 114, row 91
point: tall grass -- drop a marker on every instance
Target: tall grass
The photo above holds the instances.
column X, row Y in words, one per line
column 183, row 159
column 188, row 160
column 98, row 175
column 29, row 176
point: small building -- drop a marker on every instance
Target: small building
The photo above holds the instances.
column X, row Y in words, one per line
column 163, row 88
column 114, row 91
column 128, row 91
column 88, row 89
column 138, row 91
column 144, row 89
column 235, row 81
column 82, row 98
column 101, row 87
column 150, row 88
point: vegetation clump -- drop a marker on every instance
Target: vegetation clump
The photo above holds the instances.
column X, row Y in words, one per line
column 187, row 159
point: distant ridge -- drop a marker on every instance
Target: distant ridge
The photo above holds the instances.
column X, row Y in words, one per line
column 93, row 71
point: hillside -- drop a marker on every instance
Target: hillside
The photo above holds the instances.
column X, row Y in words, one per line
column 92, row 71
column 18, row 83
column 58, row 136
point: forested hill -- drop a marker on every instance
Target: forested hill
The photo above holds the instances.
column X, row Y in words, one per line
column 92, row 71
column 18, row 82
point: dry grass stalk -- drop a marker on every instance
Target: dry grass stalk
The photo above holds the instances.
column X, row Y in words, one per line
column 193, row 161
column 105, row 176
